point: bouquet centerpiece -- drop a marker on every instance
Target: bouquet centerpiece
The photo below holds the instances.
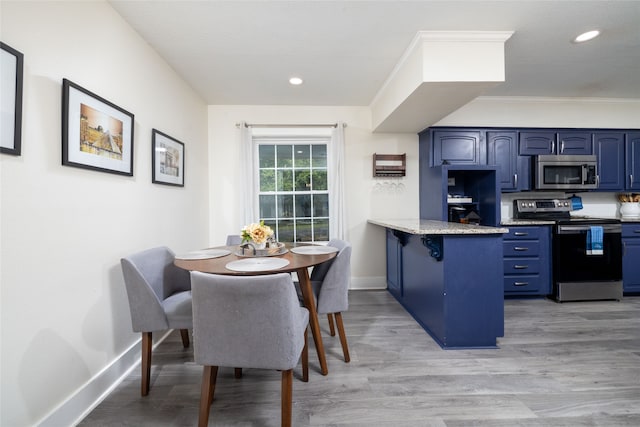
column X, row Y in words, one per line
column 256, row 233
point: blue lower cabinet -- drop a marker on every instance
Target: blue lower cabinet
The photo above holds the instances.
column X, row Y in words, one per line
column 452, row 286
column 395, row 241
column 631, row 257
column 527, row 261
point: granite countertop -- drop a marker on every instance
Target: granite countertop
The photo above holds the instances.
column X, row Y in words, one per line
column 427, row 226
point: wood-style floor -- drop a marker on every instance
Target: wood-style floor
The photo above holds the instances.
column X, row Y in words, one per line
column 571, row 364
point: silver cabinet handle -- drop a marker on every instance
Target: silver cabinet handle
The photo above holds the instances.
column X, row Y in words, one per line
column 520, row 248
column 520, row 283
column 520, row 267
column 520, row 233
column 630, row 180
column 562, row 146
column 515, row 180
column 553, row 147
column 637, row 230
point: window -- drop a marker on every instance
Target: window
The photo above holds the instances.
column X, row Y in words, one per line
column 293, row 187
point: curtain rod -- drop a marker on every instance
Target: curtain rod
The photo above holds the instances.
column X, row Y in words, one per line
column 324, row 125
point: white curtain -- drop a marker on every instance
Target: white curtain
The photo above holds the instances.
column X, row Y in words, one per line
column 337, row 216
column 247, row 178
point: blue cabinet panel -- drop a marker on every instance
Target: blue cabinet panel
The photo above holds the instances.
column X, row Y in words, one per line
column 394, row 262
column 631, row 257
column 534, row 143
column 457, row 147
column 609, row 148
column 632, row 151
column 574, row 142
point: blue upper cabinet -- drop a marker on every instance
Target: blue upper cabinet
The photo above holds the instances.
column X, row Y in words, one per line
column 632, row 169
column 609, row 148
column 574, row 142
column 534, row 143
column 513, row 170
column 457, row 147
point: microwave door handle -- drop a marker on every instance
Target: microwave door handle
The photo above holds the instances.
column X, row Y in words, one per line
column 584, row 174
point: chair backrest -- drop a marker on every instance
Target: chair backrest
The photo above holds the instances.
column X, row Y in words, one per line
column 234, row 239
column 247, row 321
column 150, row 277
column 335, row 276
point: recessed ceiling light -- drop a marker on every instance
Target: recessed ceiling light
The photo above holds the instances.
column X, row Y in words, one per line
column 295, row 81
column 587, row 36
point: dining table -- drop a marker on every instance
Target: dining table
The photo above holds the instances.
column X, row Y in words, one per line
column 292, row 258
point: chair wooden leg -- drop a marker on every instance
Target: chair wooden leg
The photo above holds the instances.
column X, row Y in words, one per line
column 332, row 330
column 237, row 373
column 343, row 337
column 208, row 387
column 305, row 357
column 287, row 397
column 184, row 333
column 146, row 363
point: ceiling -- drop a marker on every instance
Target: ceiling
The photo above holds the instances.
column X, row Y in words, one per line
column 243, row 52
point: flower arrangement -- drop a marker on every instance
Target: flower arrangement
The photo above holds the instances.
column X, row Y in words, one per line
column 256, row 232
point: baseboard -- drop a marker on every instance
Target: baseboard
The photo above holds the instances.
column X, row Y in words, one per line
column 85, row 399
column 368, row 283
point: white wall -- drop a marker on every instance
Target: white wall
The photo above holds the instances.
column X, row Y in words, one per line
column 65, row 317
column 363, row 199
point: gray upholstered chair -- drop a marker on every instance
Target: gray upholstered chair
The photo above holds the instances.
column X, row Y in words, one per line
column 159, row 299
column 330, row 282
column 248, row 322
column 234, row 239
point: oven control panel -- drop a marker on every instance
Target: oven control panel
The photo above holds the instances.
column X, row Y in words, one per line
column 542, row 205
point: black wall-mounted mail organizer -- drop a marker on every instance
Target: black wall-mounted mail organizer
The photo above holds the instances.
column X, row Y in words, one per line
column 389, row 165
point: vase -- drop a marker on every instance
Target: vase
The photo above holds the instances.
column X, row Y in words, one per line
column 262, row 245
column 630, row 210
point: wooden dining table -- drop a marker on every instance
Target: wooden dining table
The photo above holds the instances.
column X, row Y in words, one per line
column 298, row 263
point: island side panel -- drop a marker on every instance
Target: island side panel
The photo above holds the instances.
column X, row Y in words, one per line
column 474, row 302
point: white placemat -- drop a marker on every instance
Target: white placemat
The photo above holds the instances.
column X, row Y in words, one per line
column 314, row 250
column 204, row 254
column 257, row 264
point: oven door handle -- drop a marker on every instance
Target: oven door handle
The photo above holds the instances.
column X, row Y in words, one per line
column 577, row 229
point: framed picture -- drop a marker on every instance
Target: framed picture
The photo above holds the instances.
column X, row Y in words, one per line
column 96, row 134
column 167, row 156
column 11, row 68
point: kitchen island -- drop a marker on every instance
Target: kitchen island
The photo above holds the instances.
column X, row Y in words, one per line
column 449, row 277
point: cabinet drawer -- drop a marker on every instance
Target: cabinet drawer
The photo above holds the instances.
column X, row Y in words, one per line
column 521, row 266
column 631, row 230
column 521, row 248
column 522, row 283
column 523, row 233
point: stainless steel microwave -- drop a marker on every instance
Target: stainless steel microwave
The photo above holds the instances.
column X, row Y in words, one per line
column 558, row 172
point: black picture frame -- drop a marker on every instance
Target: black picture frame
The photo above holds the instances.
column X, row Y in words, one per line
column 167, row 158
column 11, row 81
column 96, row 133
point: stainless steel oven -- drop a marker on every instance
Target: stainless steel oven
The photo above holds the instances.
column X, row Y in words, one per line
column 579, row 273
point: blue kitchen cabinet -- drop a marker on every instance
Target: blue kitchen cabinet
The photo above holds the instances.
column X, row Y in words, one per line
column 456, row 297
column 609, row 148
column 456, row 147
column 514, row 171
column 527, row 260
column 632, row 158
column 539, row 142
column 631, row 257
column 395, row 241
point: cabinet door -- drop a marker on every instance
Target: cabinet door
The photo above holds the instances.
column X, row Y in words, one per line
column 609, row 148
column 630, row 257
column 514, row 170
column 502, row 151
column 536, row 143
column 632, row 154
column 573, row 142
column 458, row 147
